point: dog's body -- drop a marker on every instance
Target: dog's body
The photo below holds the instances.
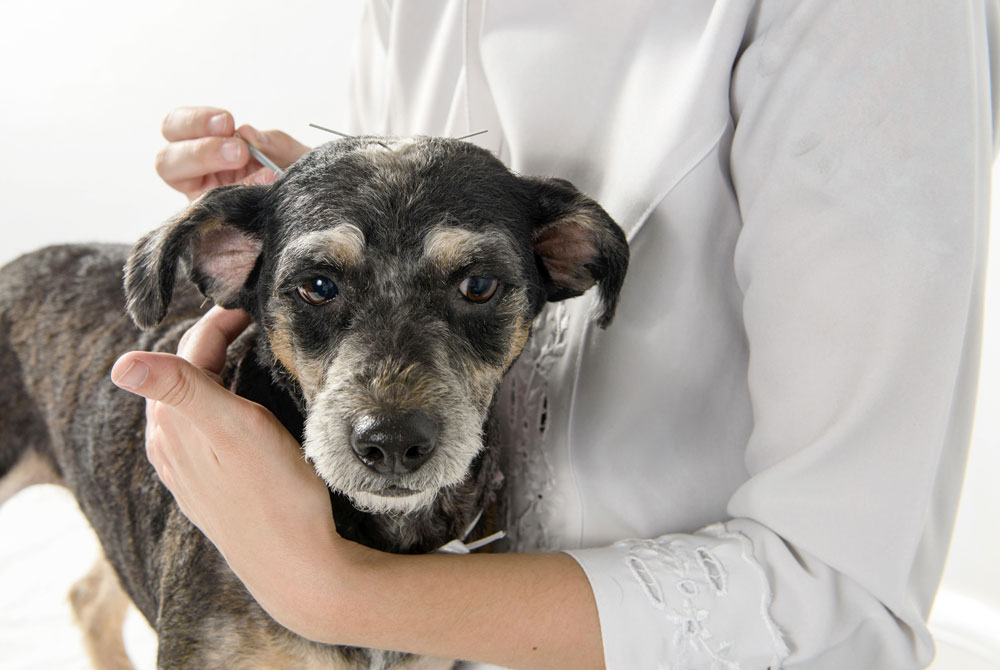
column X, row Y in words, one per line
column 391, row 283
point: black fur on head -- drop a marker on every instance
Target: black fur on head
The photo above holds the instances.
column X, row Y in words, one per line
column 218, row 239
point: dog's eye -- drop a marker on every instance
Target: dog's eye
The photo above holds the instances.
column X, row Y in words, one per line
column 318, row 291
column 478, row 289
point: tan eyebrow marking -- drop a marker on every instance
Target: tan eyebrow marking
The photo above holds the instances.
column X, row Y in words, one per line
column 449, row 248
column 342, row 246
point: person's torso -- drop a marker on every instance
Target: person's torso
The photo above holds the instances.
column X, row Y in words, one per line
column 640, row 429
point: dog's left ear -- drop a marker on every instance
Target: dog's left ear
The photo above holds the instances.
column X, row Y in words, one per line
column 217, row 241
column 579, row 245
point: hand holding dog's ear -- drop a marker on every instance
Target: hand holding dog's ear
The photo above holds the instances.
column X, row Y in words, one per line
column 216, row 451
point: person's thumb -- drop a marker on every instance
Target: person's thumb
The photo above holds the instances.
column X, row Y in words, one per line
column 173, row 381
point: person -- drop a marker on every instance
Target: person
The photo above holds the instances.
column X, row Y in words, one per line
column 759, row 463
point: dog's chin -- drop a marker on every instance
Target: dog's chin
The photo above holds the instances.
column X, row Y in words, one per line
column 392, row 502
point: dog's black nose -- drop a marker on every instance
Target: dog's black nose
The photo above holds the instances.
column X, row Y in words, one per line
column 394, row 445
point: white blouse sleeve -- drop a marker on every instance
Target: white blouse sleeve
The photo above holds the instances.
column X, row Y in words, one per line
column 861, row 160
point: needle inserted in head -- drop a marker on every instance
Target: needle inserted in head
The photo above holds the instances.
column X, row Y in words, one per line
column 330, row 130
column 465, row 137
column 345, row 135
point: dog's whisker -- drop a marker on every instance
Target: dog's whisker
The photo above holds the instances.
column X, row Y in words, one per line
column 465, row 137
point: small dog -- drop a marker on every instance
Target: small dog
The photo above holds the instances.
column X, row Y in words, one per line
column 391, row 281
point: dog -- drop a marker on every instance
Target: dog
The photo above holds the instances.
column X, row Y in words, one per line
column 391, row 284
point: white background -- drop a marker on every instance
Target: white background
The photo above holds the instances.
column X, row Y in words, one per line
column 84, row 86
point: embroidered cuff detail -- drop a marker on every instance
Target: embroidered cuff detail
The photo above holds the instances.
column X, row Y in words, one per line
column 684, row 601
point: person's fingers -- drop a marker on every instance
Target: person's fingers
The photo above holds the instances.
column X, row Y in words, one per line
column 155, row 453
column 150, row 420
column 204, row 344
column 261, row 177
column 280, row 147
column 188, row 123
column 169, row 463
column 195, row 158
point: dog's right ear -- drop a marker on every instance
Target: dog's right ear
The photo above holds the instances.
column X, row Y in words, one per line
column 217, row 241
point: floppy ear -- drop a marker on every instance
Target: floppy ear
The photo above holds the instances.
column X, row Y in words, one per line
column 578, row 245
column 216, row 240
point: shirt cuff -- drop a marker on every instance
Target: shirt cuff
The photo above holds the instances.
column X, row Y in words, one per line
column 684, row 601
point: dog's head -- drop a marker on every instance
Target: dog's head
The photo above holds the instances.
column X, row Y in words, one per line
column 396, row 281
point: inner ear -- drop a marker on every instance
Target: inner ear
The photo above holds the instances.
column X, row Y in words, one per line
column 578, row 245
column 567, row 250
column 222, row 258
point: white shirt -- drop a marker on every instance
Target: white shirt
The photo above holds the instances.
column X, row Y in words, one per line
column 758, row 463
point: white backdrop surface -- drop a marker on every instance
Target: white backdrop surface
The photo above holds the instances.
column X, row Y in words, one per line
column 84, row 87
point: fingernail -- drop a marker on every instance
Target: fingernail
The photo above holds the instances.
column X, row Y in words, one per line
column 261, row 137
column 133, row 376
column 231, row 151
column 217, row 124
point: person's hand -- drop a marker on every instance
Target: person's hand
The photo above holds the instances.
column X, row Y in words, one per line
column 230, row 464
column 202, row 151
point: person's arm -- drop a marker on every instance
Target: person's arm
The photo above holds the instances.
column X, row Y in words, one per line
column 216, row 451
column 861, row 163
column 202, row 151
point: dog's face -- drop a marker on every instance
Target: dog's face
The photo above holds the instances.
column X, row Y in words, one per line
column 396, row 281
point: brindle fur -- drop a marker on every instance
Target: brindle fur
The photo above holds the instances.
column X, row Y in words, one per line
column 398, row 337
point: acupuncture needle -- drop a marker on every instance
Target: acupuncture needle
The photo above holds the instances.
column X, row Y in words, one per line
column 352, row 137
column 259, row 155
